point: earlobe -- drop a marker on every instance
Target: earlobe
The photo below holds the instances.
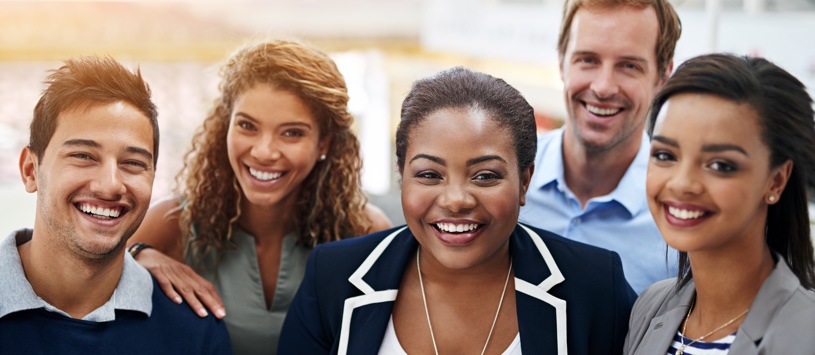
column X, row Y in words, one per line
column 325, row 143
column 778, row 181
column 28, row 169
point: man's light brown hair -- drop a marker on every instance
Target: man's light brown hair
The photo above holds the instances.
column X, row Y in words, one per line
column 670, row 28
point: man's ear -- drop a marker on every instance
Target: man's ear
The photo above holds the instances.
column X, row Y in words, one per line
column 667, row 74
column 28, row 169
column 526, row 178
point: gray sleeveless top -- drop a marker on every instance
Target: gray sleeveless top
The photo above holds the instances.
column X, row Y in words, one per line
column 254, row 329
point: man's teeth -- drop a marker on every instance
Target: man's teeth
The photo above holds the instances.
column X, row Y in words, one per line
column 100, row 211
column 456, row 228
column 684, row 214
column 264, row 176
column 602, row 111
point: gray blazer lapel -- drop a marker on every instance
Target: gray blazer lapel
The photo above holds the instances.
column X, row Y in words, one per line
column 666, row 321
column 773, row 294
column 661, row 331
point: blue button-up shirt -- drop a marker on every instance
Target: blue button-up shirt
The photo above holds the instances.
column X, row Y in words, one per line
column 619, row 221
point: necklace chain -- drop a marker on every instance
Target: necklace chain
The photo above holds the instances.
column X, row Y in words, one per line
column 427, row 313
column 681, row 350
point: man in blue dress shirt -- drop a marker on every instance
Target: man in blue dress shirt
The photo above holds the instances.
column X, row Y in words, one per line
column 589, row 181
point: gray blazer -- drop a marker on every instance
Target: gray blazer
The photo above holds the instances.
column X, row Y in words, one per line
column 781, row 319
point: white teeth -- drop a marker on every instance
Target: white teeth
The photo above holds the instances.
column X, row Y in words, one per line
column 602, row 111
column 100, row 211
column 264, row 176
column 684, row 214
column 456, row 228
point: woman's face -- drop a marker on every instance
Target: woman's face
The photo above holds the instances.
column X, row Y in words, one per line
column 461, row 190
column 709, row 176
column 273, row 144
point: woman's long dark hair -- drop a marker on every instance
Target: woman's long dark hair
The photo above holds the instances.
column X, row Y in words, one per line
column 786, row 116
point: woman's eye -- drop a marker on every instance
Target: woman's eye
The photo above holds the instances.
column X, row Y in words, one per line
column 293, row 133
column 427, row 175
column 246, row 125
column 487, row 176
column 662, row 156
column 723, row 167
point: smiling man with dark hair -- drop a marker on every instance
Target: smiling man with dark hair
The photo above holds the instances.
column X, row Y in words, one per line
column 68, row 286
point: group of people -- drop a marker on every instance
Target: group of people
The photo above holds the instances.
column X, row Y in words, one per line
column 595, row 238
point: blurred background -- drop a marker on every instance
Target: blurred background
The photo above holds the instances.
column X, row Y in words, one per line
column 381, row 46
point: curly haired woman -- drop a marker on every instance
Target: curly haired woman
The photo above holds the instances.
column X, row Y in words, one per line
column 273, row 171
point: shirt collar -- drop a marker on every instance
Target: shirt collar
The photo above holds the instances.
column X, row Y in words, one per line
column 550, row 146
column 133, row 292
column 630, row 190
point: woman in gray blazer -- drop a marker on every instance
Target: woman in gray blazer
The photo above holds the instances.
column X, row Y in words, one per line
column 732, row 155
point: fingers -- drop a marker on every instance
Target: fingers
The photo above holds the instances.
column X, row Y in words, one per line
column 181, row 283
column 167, row 287
column 210, row 298
column 199, row 293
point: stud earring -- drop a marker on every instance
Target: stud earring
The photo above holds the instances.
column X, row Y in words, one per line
column 771, row 198
column 322, row 157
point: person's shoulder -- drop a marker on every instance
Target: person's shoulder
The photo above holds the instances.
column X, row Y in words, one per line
column 799, row 308
column 169, row 314
column 344, row 256
column 178, row 327
column 379, row 220
column 790, row 329
column 659, row 290
column 358, row 245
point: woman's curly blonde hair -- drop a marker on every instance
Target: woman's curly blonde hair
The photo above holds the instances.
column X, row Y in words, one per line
column 331, row 203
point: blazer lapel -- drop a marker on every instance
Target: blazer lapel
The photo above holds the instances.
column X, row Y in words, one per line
column 773, row 294
column 661, row 332
column 541, row 316
column 366, row 317
column 663, row 327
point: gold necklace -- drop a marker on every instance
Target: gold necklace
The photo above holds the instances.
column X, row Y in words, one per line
column 681, row 350
column 427, row 313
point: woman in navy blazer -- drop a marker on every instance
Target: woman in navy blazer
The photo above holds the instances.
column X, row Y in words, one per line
column 732, row 155
column 443, row 283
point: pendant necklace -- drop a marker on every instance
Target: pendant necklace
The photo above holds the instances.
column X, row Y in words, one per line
column 681, row 350
column 427, row 313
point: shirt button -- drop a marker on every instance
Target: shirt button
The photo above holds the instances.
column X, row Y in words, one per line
column 576, row 221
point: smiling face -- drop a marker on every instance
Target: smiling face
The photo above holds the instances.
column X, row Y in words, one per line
column 94, row 180
column 273, row 144
column 709, row 176
column 461, row 189
column 609, row 73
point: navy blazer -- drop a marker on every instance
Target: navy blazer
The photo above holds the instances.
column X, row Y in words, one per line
column 569, row 296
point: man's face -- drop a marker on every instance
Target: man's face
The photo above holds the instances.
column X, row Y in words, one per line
column 94, row 180
column 609, row 72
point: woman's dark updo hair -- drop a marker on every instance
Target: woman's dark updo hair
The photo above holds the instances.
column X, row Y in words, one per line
column 463, row 88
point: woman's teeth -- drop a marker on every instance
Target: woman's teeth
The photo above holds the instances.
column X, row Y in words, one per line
column 684, row 214
column 264, row 176
column 456, row 228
